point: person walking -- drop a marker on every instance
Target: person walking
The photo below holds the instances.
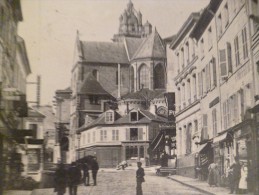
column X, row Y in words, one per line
column 140, row 178
column 243, row 178
column 95, row 168
column 60, row 179
column 213, row 174
column 74, row 178
column 85, row 174
column 234, row 176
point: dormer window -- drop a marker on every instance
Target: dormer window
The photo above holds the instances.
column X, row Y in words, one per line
column 109, row 117
column 133, row 116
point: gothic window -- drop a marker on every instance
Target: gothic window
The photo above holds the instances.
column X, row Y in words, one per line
column 132, row 79
column 159, row 77
column 143, row 76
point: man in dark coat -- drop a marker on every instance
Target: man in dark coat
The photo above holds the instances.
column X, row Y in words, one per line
column 74, row 178
column 60, row 179
column 140, row 178
column 234, row 176
column 86, row 174
column 95, row 168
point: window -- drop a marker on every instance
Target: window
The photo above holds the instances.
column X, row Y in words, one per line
column 226, row 14
column 209, row 38
column 204, row 83
column 115, row 135
column 187, row 53
column 182, row 55
column 179, row 98
column 143, row 77
column 205, row 127
column 96, row 74
column 178, row 62
column 229, row 106
column 132, row 79
column 223, row 64
column 200, row 84
column 235, row 109
column 202, row 48
column 229, row 56
column 159, row 77
column 94, row 136
column 225, row 122
column 208, row 77
column 109, row 117
column 194, row 87
column 219, row 25
column 103, row 135
column 214, row 72
column 133, row 116
column 133, row 133
column 236, row 44
column 244, row 42
column 214, row 122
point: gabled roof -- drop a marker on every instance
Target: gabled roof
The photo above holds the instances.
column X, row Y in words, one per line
column 104, row 52
column 144, row 94
column 152, row 47
column 132, row 44
column 91, row 86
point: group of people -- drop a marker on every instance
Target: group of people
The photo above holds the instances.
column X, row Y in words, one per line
column 236, row 175
column 72, row 176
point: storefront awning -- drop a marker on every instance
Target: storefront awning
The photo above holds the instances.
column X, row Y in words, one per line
column 201, row 147
column 220, row 138
column 159, row 142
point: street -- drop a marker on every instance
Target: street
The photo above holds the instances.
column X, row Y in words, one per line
column 119, row 182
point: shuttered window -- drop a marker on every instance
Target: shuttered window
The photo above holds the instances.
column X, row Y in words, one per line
column 208, row 76
column 242, row 102
column 200, row 83
column 236, row 44
column 229, row 55
column 204, row 83
column 235, row 110
column 214, row 72
column 214, row 122
column 244, row 42
column 205, row 126
column 223, row 63
column 140, row 133
column 229, row 106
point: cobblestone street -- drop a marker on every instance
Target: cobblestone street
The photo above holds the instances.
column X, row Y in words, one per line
column 113, row 182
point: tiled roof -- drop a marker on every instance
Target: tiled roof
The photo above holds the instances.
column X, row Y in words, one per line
column 91, row 86
column 152, row 47
column 132, row 45
column 144, row 93
column 104, row 52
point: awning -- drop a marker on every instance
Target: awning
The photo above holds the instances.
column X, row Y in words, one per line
column 220, row 137
column 159, row 142
column 201, row 147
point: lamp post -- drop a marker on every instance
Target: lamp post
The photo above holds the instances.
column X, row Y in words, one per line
column 78, row 136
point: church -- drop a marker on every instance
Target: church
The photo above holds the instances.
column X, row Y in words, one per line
column 118, row 92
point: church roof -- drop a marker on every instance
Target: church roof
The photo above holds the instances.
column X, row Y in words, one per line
column 132, row 44
column 104, row 52
column 91, row 86
column 144, row 94
column 152, row 47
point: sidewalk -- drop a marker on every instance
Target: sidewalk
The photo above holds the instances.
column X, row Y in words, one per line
column 202, row 186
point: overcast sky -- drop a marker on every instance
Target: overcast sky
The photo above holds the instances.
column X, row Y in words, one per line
column 49, row 29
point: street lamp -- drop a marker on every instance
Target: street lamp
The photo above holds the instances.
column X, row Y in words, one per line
column 78, row 136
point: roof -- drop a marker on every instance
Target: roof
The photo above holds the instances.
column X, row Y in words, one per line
column 186, row 27
column 91, row 86
column 169, row 39
column 152, row 47
column 145, row 94
column 132, row 44
column 104, row 52
column 205, row 18
column 147, row 117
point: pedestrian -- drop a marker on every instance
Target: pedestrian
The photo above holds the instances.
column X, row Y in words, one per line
column 74, row 178
column 60, row 179
column 164, row 160
column 85, row 174
column 227, row 171
column 140, row 178
column 243, row 178
column 213, row 174
column 95, row 168
column 234, row 176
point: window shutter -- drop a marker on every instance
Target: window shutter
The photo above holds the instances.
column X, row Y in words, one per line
column 127, row 134
column 200, row 83
column 208, row 77
column 223, row 65
column 140, row 133
column 229, row 55
column 205, row 126
column 214, row 70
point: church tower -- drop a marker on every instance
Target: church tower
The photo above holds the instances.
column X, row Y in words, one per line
column 130, row 24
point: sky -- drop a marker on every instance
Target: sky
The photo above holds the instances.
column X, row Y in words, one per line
column 49, row 29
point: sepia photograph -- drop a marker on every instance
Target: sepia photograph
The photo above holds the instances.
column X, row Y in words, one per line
column 129, row 97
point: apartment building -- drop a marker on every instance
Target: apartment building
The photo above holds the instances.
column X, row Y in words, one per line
column 225, row 38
